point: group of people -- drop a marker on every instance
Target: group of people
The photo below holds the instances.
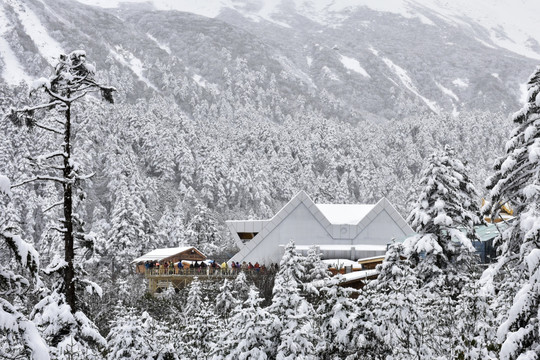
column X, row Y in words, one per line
column 212, row 267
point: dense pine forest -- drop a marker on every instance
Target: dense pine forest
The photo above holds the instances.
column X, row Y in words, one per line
column 104, row 157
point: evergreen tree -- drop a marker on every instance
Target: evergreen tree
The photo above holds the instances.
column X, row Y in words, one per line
column 240, row 287
column 292, row 330
column 246, row 337
column 446, row 207
column 128, row 337
column 225, row 301
column 198, row 333
column 398, row 316
column 475, row 338
column 335, row 321
column 517, row 181
column 130, row 226
column 316, row 274
column 18, row 272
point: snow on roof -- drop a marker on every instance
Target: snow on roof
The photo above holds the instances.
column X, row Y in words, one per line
column 382, row 256
column 341, row 263
column 358, row 275
column 160, row 254
column 341, row 214
column 344, row 247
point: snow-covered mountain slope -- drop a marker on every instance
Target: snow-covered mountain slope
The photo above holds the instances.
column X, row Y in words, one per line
column 512, row 25
column 351, row 59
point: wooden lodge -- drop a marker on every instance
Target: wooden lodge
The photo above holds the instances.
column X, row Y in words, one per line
column 167, row 255
column 172, row 267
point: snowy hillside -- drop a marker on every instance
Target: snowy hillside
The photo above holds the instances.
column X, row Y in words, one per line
column 152, row 124
column 512, row 25
column 352, row 59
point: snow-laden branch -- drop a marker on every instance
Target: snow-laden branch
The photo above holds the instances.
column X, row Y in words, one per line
column 84, row 177
column 40, row 178
column 49, row 156
column 60, row 230
column 49, row 129
column 37, row 107
column 54, row 205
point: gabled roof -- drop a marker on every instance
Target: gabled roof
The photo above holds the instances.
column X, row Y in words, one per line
column 161, row 254
column 348, row 214
column 331, row 217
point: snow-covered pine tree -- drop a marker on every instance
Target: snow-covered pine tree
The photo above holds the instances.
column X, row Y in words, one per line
column 129, row 227
column 441, row 253
column 225, row 301
column 128, row 337
column 335, row 321
column 240, row 287
column 247, row 336
column 444, row 217
column 292, row 331
column 199, row 318
column 20, row 335
column 517, row 182
column 72, row 80
column 475, row 338
column 398, row 320
column 69, row 335
column 316, row 274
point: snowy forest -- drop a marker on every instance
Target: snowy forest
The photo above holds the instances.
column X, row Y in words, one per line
column 95, row 170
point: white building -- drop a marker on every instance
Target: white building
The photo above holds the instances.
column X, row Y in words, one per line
column 339, row 230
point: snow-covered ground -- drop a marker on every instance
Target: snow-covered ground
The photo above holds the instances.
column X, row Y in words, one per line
column 49, row 48
column 13, row 72
column 354, row 65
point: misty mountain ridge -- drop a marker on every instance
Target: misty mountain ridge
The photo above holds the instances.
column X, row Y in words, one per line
column 350, row 59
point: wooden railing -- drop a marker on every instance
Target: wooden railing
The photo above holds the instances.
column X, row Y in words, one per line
column 208, row 271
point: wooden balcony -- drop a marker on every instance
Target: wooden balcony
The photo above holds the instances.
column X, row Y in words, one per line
column 159, row 279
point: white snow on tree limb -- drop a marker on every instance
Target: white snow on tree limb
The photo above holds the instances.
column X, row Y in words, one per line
column 56, row 264
column 5, row 185
column 23, row 249
column 93, row 288
column 41, row 82
column 11, row 321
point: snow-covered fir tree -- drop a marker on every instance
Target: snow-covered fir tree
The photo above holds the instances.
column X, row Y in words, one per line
column 73, row 79
column 225, row 301
column 18, row 274
column 397, row 310
column 292, row 330
column 316, row 273
column 335, row 320
column 444, row 217
column 475, row 338
column 128, row 338
column 442, row 253
column 240, row 287
column 199, row 323
column 517, row 182
column 246, row 337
